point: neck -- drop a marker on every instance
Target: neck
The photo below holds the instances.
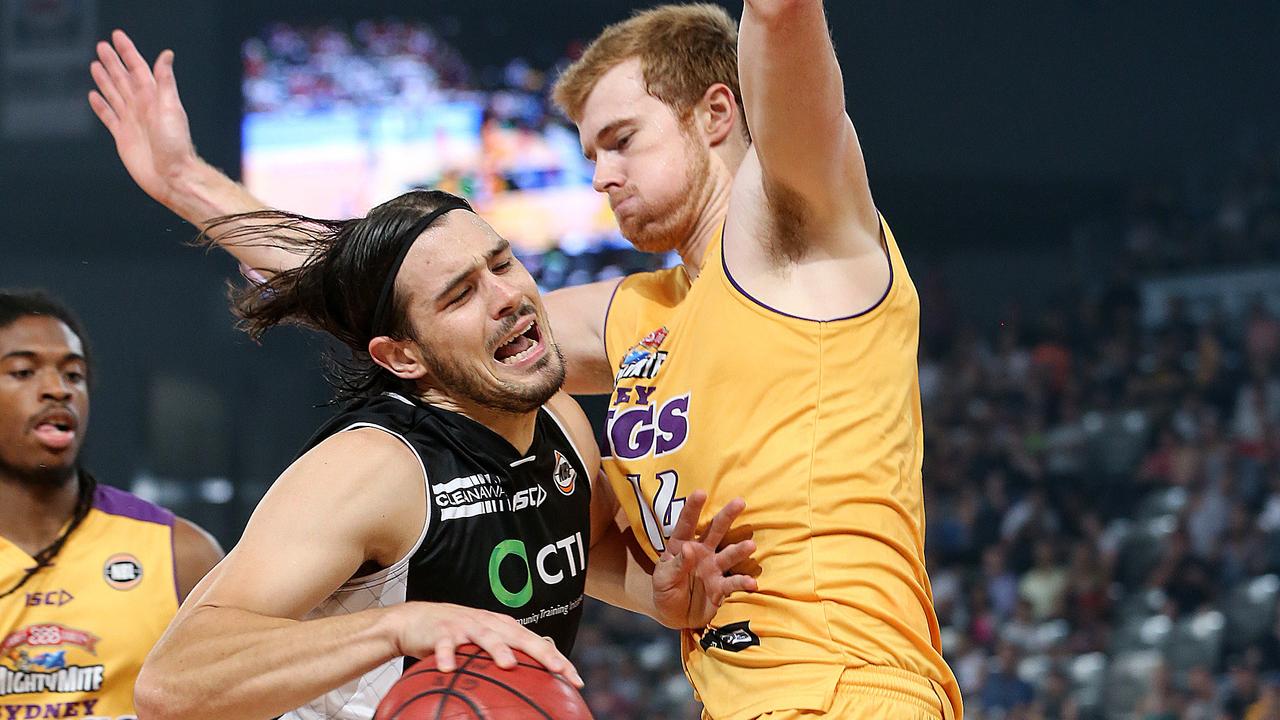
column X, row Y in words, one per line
column 515, row 428
column 34, row 512
column 726, row 158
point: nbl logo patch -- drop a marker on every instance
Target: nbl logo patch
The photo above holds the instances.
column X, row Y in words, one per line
column 122, row 571
column 566, row 478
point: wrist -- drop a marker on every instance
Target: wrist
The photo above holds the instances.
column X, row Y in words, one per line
column 388, row 629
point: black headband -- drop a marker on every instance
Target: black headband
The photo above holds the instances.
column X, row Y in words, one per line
column 383, row 308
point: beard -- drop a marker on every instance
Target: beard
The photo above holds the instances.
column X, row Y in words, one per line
column 463, row 383
column 39, row 476
column 667, row 227
column 508, row 397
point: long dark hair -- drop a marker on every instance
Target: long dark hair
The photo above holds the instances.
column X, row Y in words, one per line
column 336, row 288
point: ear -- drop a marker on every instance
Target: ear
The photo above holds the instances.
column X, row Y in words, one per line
column 402, row 358
column 717, row 113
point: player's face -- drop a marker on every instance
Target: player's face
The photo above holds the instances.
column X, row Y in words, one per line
column 655, row 169
column 44, row 398
column 479, row 318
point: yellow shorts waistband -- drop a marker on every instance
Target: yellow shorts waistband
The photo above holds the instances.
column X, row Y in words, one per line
column 897, row 684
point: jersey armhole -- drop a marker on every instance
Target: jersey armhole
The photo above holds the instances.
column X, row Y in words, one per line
column 564, row 430
column 377, row 578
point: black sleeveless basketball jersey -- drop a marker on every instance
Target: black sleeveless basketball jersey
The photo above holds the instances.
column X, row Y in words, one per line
column 506, row 531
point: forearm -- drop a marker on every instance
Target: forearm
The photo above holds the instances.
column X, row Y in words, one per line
column 223, row 662
column 200, row 193
column 616, row 577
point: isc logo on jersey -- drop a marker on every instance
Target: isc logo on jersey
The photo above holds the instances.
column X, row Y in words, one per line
column 566, row 558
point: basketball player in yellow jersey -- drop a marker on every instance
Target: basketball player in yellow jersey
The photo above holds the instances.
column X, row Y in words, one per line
column 89, row 575
column 801, row 391
column 778, row 364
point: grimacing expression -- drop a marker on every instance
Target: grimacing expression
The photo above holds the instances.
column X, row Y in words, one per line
column 478, row 317
column 651, row 163
column 44, row 398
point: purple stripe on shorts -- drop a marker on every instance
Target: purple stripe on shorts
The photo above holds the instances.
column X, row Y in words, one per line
column 115, row 501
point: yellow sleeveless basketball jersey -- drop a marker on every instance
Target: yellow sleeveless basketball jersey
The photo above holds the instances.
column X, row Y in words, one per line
column 818, row 426
column 76, row 634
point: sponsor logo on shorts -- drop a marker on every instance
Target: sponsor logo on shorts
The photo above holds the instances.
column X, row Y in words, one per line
column 122, row 571
column 734, row 637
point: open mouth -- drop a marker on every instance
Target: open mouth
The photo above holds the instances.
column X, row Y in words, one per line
column 523, row 345
column 56, row 429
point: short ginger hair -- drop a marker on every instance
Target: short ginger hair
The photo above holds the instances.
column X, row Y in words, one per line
column 683, row 51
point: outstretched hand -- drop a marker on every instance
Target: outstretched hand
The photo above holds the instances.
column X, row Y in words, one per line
column 139, row 105
column 694, row 575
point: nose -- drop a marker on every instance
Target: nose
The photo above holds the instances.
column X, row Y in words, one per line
column 608, row 173
column 54, row 386
column 507, row 297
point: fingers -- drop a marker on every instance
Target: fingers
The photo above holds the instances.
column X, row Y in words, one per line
column 734, row 554
column 103, row 111
column 106, row 87
column 546, row 655
column 722, row 521
column 133, row 61
column 687, row 523
column 116, row 71
column 165, row 81
column 731, row 585
column 446, row 661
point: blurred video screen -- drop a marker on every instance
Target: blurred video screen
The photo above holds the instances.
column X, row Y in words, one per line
column 340, row 117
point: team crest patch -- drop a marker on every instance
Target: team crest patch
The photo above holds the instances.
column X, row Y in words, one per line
column 566, row 478
column 122, row 571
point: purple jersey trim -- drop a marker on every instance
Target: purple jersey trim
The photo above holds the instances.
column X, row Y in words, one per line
column 884, row 241
column 114, row 501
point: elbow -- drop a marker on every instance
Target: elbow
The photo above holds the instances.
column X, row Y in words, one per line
column 155, row 699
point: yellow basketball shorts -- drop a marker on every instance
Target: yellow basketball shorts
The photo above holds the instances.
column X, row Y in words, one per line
column 871, row 693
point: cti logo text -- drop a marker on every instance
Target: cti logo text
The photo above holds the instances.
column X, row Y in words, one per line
column 553, row 563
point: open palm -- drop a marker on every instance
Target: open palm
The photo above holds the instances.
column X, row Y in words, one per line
column 694, row 575
column 141, row 108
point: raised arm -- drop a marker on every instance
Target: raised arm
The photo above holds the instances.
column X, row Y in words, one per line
column 140, row 106
column 239, row 648
column 810, row 162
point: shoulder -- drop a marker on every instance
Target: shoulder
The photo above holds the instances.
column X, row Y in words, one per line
column 195, row 552
column 122, row 503
column 642, row 302
column 574, row 422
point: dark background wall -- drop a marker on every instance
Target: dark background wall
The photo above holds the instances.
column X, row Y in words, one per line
column 991, row 129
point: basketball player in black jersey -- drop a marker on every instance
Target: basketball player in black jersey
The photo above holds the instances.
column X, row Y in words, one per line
column 450, row 502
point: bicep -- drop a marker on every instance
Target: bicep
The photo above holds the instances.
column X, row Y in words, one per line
column 577, row 317
column 324, row 518
column 195, row 553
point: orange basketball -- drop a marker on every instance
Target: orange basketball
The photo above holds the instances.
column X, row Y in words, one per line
column 480, row 689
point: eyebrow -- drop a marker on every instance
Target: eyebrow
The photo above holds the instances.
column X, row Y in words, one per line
column 604, row 132
column 502, row 246
column 32, row 355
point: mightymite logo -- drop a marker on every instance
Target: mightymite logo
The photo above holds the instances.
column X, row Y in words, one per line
column 122, row 571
